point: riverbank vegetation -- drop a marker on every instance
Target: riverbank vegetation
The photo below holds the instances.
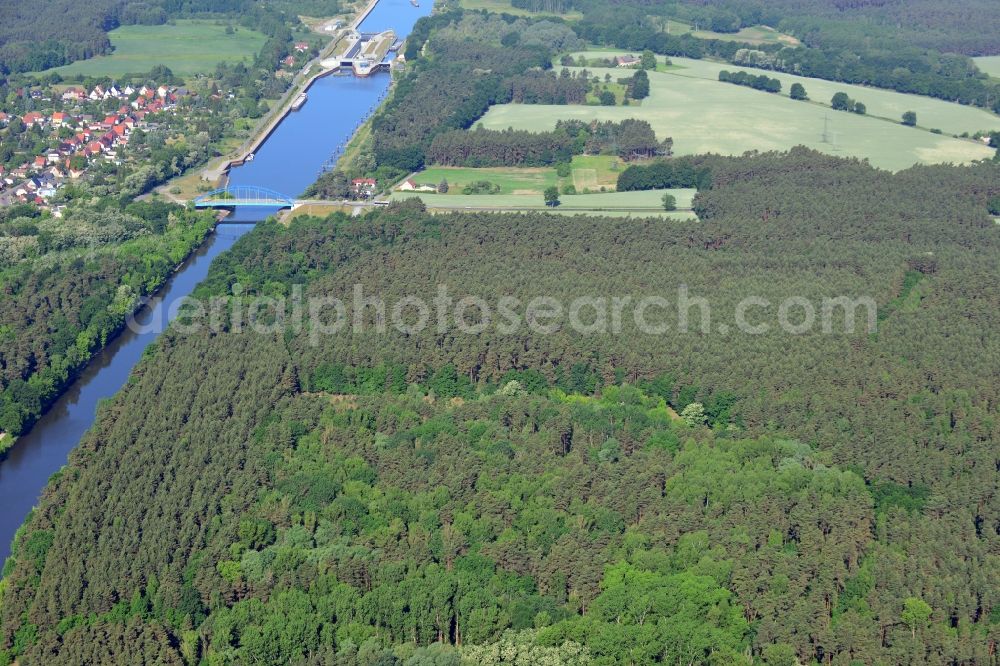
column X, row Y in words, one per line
column 375, row 497
column 69, row 283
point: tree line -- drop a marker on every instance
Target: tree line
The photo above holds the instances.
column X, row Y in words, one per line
column 755, row 81
column 629, row 139
column 68, row 287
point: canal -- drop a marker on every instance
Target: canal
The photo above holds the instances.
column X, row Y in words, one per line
column 288, row 162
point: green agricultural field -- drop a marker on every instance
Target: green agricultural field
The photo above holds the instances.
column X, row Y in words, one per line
column 989, row 64
column 187, row 48
column 511, row 180
column 622, row 202
column 705, row 115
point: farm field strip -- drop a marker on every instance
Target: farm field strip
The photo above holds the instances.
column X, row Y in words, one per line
column 649, row 200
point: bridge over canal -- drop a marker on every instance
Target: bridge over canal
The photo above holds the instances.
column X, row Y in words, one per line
column 244, row 196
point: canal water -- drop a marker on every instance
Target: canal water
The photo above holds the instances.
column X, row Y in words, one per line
column 292, row 158
column 288, row 162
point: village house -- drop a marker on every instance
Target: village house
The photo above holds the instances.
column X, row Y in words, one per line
column 626, row 61
column 32, row 118
column 301, row 46
column 74, row 94
column 409, row 185
column 288, row 61
column 58, row 118
column 363, row 187
column 73, row 173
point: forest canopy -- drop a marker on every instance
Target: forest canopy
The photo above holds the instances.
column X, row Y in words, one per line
column 380, row 497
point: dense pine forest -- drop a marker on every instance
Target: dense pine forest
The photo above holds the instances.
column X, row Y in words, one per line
column 496, row 491
column 381, row 497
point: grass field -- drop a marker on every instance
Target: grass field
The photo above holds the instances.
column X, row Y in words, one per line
column 704, row 115
column 504, row 7
column 989, row 64
column 619, row 90
column 511, row 180
column 187, row 48
column 588, row 172
column 758, row 34
column 623, row 202
column 595, row 171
